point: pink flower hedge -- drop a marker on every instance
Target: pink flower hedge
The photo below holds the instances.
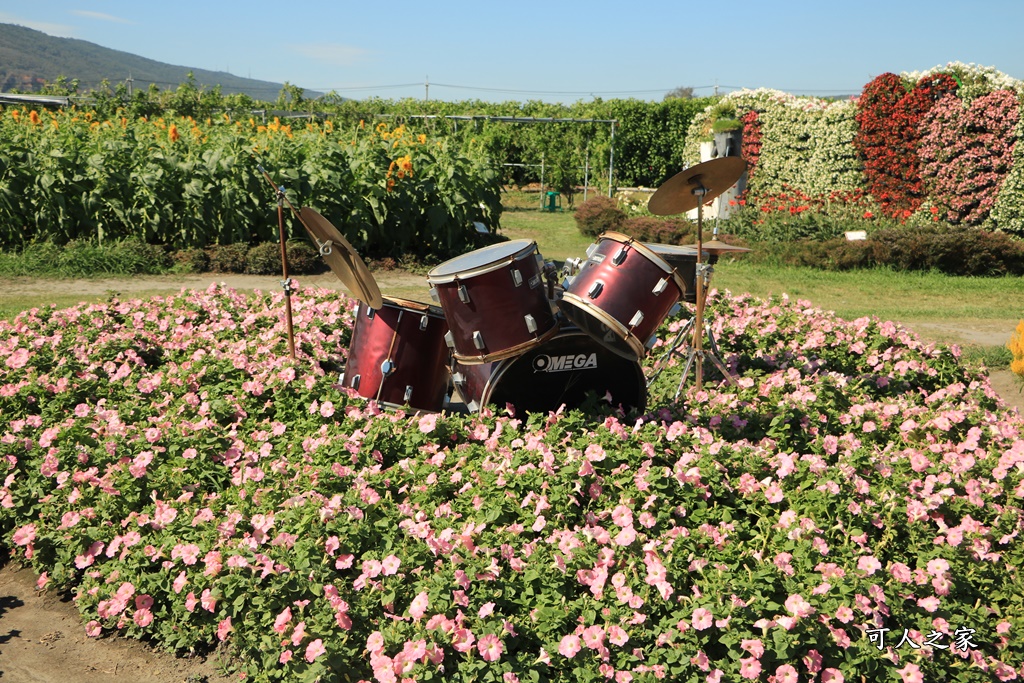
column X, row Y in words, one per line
column 859, row 491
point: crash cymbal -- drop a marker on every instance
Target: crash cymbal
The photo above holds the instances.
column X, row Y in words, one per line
column 718, row 247
column 342, row 258
column 676, row 194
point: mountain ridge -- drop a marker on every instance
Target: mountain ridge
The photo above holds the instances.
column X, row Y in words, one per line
column 29, row 59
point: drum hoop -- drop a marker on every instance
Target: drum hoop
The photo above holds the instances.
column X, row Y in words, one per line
column 529, row 246
column 627, row 335
column 652, row 255
column 509, row 352
column 414, row 306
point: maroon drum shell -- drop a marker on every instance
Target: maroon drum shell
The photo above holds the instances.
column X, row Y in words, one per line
column 561, row 370
column 684, row 260
column 416, row 349
column 497, row 306
column 626, row 289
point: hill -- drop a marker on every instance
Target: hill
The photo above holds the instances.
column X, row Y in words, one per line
column 30, row 58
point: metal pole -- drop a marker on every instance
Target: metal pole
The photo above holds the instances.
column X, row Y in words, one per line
column 586, row 173
column 542, row 182
column 611, row 160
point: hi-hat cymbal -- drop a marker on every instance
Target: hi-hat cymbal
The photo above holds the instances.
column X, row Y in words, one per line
column 719, row 247
column 342, row 258
column 676, row 194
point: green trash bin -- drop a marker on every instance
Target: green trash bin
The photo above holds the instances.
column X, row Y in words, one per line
column 553, row 202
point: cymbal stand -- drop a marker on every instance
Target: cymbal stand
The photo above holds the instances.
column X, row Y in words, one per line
column 286, row 282
column 696, row 325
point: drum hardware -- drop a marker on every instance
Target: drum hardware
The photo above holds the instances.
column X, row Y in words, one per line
column 687, row 190
column 683, row 338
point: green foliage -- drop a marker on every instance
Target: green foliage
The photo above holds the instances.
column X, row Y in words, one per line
column 85, row 258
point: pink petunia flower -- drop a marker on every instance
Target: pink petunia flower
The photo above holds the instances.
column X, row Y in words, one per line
column 224, row 628
column 750, row 668
column 831, row 675
column 702, row 619
column 911, row 673
column 314, row 650
column 569, row 646
column 490, row 647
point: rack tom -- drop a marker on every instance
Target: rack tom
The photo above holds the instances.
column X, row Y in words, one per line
column 495, row 301
column 398, row 355
column 621, row 294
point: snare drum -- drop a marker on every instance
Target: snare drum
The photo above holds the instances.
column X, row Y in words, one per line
column 495, row 301
column 560, row 371
column 684, row 260
column 398, row 355
column 621, row 294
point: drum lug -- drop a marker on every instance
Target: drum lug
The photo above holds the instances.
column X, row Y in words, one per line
column 355, row 382
column 675, row 310
column 620, row 256
column 424, row 321
column 590, row 250
column 387, row 367
column 531, row 324
column 595, row 289
column 517, row 277
column 449, row 339
column 478, row 340
column 408, row 393
column 651, row 342
column 463, row 294
column 341, row 379
column 567, row 282
column 369, row 313
column 660, row 287
column 458, row 379
column 637, row 318
column 434, row 296
column 473, row 406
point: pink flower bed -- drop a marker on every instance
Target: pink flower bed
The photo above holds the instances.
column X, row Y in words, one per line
column 851, row 510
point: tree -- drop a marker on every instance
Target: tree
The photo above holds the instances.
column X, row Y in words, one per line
column 680, row 93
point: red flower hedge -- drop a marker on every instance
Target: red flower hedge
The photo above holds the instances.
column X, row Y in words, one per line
column 889, row 119
column 750, row 148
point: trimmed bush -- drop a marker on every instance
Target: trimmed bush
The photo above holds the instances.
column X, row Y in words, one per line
column 599, row 214
column 228, row 258
column 660, row 230
column 191, row 260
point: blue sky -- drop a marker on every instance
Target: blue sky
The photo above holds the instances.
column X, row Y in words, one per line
column 553, row 51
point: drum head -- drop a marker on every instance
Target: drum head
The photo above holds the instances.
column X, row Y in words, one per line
column 480, row 261
column 565, row 370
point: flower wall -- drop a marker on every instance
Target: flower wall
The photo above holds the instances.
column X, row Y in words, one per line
column 850, row 511
column 901, row 140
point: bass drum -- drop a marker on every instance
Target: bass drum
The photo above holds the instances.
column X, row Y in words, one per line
column 560, row 371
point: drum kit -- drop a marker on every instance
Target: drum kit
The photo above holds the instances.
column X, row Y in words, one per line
column 507, row 327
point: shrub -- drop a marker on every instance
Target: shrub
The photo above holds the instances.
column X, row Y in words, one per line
column 192, row 260
column 265, row 259
column 228, row 258
column 599, row 214
column 660, row 230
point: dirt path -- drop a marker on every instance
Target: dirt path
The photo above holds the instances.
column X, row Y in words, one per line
column 42, row 639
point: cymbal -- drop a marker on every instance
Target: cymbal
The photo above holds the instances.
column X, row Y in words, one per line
column 676, row 194
column 719, row 247
column 342, row 258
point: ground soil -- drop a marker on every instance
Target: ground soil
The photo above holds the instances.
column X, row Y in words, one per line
column 42, row 639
